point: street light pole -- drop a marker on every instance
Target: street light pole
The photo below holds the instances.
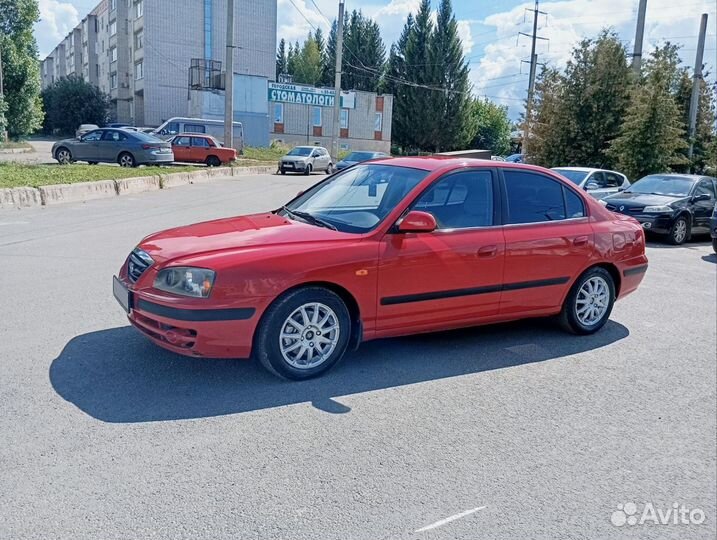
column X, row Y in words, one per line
column 229, row 79
column 337, row 83
column 696, row 83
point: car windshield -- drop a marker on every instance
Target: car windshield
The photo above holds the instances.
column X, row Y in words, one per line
column 576, row 177
column 359, row 156
column 300, row 151
column 358, row 199
column 675, row 186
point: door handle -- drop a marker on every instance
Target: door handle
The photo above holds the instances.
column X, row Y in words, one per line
column 488, row 251
column 580, row 240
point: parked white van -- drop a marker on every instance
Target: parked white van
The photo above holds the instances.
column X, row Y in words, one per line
column 215, row 128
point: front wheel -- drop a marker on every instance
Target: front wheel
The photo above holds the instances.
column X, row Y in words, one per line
column 303, row 334
column 330, row 169
column 714, row 245
column 63, row 156
column 678, row 232
column 589, row 303
column 307, row 170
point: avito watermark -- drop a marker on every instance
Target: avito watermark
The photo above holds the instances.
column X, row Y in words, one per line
column 676, row 514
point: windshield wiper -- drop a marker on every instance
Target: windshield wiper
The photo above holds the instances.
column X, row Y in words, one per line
column 309, row 217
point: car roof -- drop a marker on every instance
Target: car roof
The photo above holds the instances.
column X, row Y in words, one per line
column 435, row 163
column 579, row 169
column 693, row 177
column 308, row 146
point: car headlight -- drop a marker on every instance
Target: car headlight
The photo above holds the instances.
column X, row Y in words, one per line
column 185, row 281
column 657, row 209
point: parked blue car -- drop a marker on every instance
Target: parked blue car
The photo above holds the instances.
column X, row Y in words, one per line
column 357, row 157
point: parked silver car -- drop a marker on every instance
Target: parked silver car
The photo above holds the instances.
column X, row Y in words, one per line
column 306, row 159
column 597, row 182
column 109, row 145
column 85, row 128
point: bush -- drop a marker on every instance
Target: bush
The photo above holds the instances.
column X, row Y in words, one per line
column 72, row 101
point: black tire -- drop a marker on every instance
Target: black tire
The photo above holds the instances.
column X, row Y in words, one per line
column 569, row 315
column 307, row 170
column 92, row 162
column 125, row 159
column 267, row 343
column 330, row 169
column 63, row 155
column 714, row 245
column 679, row 235
column 213, row 161
column 282, row 171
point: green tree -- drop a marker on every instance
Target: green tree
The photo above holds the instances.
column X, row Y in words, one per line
column 492, row 127
column 72, row 101
column 308, row 63
column 448, row 71
column 395, row 71
column 21, row 70
column 705, row 121
column 281, row 60
column 652, row 138
column 548, row 138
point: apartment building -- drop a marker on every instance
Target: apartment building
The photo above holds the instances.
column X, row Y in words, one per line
column 140, row 51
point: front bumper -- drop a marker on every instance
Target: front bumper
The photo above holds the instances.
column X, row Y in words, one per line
column 657, row 223
column 190, row 331
column 293, row 166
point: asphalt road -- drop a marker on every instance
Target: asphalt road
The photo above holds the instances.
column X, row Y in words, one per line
column 540, row 434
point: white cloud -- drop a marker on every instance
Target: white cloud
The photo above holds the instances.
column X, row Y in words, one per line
column 464, row 32
column 56, row 21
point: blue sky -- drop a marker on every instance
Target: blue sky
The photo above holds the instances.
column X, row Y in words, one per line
column 489, row 30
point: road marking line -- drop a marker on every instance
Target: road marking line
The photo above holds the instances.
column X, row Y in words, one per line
column 449, row 519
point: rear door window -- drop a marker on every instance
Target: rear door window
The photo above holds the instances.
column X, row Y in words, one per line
column 533, row 198
column 200, row 142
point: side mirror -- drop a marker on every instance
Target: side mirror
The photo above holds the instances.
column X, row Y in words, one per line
column 300, row 193
column 591, row 185
column 701, row 197
column 417, row 221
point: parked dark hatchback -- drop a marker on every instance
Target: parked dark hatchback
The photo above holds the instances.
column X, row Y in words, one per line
column 713, row 228
column 673, row 205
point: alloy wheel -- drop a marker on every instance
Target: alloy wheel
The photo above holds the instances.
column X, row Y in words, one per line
column 592, row 301
column 63, row 156
column 309, row 335
column 680, row 231
column 126, row 160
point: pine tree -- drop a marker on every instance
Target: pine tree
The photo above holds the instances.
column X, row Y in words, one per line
column 396, row 71
column 453, row 124
column 652, row 137
column 281, row 60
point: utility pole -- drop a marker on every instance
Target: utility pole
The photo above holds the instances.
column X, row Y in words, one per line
column 229, row 79
column 696, row 82
column 531, row 81
column 639, row 33
column 337, row 83
column 3, row 131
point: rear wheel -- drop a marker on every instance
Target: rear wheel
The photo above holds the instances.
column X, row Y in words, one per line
column 589, row 302
column 213, row 161
column 92, row 162
column 126, row 159
column 303, row 334
column 678, row 232
column 63, row 156
column 714, row 245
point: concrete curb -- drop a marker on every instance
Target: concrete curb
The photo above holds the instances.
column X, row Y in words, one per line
column 81, row 191
column 138, row 184
column 102, row 189
column 20, row 197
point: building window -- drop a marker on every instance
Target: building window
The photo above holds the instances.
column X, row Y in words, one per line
column 139, row 40
column 378, row 122
column 113, row 5
column 113, row 81
column 113, row 54
column 344, row 119
column 113, row 28
column 207, row 29
column 139, row 9
column 316, row 116
column 278, row 113
column 139, row 71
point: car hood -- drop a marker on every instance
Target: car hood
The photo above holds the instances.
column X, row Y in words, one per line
column 345, row 163
column 641, row 199
column 66, row 141
column 257, row 230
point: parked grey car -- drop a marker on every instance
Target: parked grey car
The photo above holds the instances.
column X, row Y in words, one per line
column 597, row 182
column 357, row 157
column 306, row 159
column 109, row 145
column 85, row 128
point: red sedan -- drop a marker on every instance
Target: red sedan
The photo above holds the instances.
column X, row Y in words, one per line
column 385, row 248
column 198, row 148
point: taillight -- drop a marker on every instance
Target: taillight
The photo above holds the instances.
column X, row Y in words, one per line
column 150, row 147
